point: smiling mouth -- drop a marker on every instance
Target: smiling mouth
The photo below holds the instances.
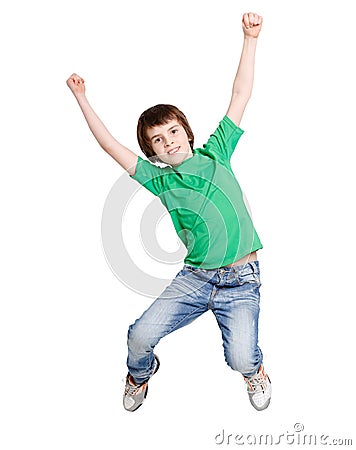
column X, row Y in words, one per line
column 173, row 151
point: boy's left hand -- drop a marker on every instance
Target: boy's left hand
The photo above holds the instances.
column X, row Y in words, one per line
column 251, row 24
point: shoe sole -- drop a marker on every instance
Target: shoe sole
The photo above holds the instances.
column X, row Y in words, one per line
column 261, row 408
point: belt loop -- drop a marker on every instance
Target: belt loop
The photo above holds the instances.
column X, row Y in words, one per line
column 255, row 266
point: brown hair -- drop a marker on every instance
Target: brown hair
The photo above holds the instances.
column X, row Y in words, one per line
column 159, row 115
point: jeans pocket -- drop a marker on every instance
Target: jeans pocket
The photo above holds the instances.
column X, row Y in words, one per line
column 257, row 278
column 181, row 273
column 251, row 278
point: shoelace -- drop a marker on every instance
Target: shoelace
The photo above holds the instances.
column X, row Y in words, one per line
column 256, row 381
column 132, row 389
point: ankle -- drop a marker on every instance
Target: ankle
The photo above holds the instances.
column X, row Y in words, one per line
column 132, row 381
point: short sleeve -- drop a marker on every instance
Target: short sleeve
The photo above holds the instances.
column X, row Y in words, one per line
column 222, row 142
column 149, row 175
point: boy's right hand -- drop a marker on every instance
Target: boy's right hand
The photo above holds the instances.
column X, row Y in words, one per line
column 76, row 84
column 251, row 24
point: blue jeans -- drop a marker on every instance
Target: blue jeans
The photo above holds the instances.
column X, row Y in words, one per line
column 231, row 293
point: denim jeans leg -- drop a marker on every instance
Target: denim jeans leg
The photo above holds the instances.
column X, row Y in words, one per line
column 236, row 309
column 178, row 305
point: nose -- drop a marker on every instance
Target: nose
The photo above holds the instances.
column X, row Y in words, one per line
column 168, row 142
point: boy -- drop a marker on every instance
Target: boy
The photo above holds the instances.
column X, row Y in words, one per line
column 202, row 195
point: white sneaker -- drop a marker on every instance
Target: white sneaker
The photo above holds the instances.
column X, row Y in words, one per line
column 259, row 389
column 135, row 394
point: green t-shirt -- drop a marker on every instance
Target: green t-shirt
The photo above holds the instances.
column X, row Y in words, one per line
column 205, row 201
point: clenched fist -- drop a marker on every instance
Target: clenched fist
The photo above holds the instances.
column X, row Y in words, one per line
column 76, row 84
column 251, row 24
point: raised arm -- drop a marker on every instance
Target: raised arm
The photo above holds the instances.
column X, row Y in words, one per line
column 125, row 157
column 242, row 87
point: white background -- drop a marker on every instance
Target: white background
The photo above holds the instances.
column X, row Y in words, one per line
column 64, row 315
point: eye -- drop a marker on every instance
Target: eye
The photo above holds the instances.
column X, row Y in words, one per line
column 175, row 131
column 157, row 140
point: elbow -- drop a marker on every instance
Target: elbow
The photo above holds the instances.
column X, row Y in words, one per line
column 242, row 95
column 240, row 98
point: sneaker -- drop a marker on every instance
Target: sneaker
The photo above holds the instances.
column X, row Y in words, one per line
column 259, row 389
column 135, row 394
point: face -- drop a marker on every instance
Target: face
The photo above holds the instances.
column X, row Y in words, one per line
column 170, row 142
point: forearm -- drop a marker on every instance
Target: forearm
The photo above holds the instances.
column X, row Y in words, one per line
column 243, row 82
column 100, row 132
column 125, row 157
